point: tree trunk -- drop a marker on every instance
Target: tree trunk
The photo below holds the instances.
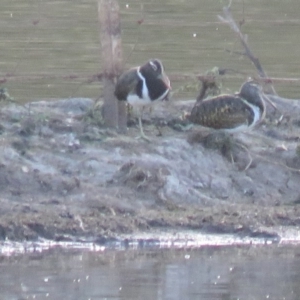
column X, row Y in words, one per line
column 110, row 37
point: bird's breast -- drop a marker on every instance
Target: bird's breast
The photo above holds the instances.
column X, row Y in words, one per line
column 134, row 99
column 255, row 115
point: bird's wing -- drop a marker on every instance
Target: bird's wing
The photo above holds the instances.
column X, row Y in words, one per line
column 126, row 84
column 225, row 112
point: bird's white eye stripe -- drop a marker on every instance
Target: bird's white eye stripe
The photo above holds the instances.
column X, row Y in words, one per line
column 154, row 66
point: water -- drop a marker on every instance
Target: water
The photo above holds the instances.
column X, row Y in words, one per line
column 44, row 43
column 211, row 273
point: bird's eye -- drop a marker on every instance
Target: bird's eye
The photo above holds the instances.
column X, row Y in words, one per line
column 153, row 65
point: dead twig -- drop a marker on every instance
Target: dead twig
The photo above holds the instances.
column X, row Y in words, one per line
column 249, row 156
column 228, row 19
column 91, row 78
column 277, row 163
column 139, row 34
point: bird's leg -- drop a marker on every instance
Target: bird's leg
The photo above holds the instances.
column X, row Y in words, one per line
column 142, row 134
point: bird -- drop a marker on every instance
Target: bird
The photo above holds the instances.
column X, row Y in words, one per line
column 233, row 112
column 142, row 85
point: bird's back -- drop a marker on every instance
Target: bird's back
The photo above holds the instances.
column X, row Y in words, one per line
column 126, row 84
column 223, row 112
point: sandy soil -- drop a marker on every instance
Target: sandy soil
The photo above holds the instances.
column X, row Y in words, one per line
column 64, row 176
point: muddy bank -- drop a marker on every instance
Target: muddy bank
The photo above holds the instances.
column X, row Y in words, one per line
column 62, row 175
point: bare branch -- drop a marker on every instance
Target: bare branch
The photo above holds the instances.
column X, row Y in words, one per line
column 90, row 78
column 228, row 19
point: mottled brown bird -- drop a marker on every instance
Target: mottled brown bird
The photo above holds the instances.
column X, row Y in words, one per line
column 142, row 85
column 235, row 112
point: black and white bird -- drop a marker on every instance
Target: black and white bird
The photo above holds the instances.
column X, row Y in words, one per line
column 142, row 85
column 236, row 112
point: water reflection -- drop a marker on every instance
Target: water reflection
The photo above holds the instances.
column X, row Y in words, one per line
column 209, row 273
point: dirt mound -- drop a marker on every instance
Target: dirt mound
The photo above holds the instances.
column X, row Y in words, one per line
column 62, row 175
